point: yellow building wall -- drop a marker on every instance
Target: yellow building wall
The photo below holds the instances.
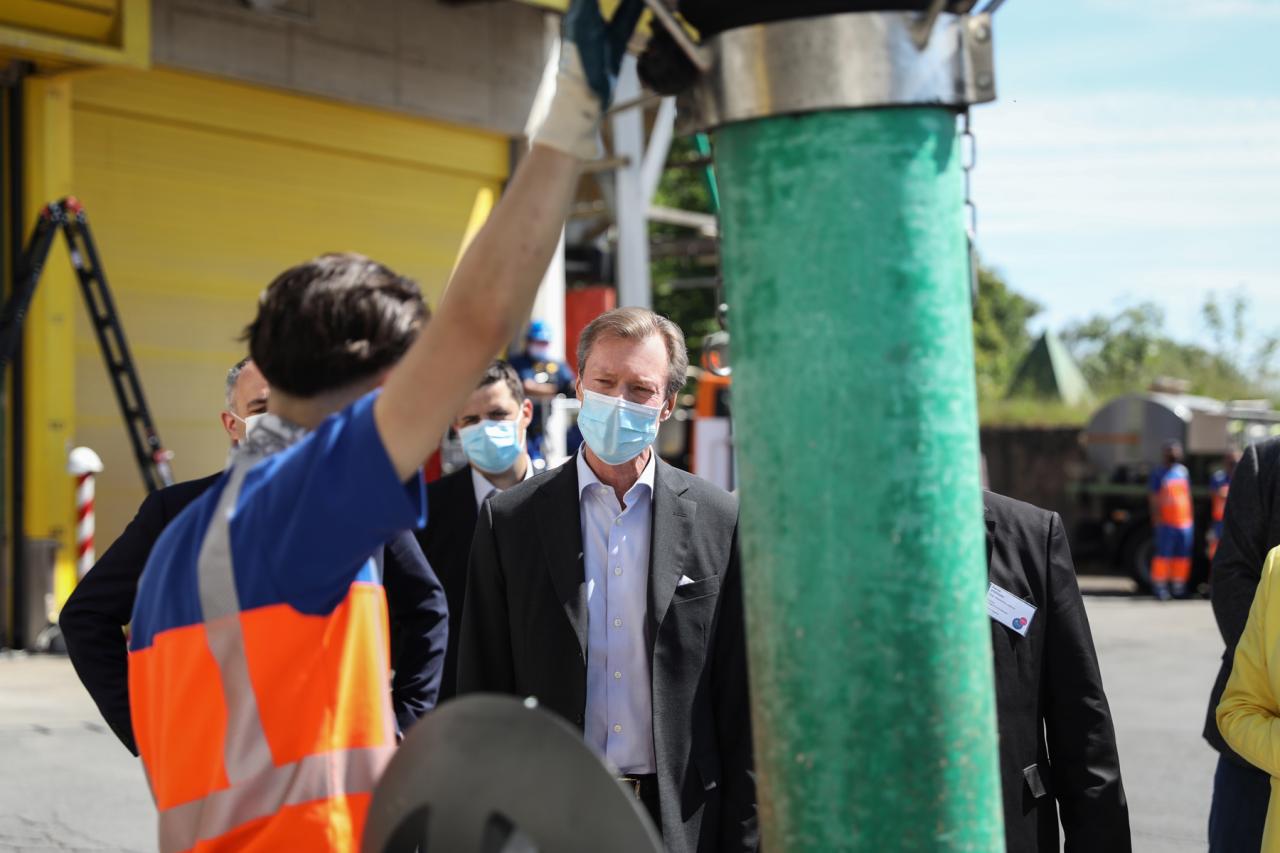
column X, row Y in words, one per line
column 48, row 354
column 200, row 191
column 59, row 33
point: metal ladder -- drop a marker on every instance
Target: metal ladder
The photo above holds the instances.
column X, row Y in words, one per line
column 68, row 216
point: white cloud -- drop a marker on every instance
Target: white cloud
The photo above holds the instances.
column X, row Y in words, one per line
column 1236, row 9
column 1091, row 201
column 1132, row 160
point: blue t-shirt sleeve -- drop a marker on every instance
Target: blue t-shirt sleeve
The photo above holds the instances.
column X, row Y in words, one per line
column 1153, row 485
column 315, row 512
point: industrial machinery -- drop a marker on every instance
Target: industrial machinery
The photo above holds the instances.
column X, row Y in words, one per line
column 67, row 217
column 1123, row 443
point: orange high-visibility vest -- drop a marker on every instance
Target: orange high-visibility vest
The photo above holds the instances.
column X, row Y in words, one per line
column 1220, row 487
column 261, row 727
column 1173, row 497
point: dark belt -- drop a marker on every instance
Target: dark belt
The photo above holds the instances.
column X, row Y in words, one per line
column 641, row 785
column 644, row 787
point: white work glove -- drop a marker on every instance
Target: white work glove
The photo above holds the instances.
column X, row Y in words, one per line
column 578, row 85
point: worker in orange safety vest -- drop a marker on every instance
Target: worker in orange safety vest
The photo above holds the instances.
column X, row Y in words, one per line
column 1172, row 523
column 258, row 657
column 1219, row 488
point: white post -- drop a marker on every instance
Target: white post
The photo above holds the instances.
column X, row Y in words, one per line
column 655, row 155
column 549, row 307
column 632, row 205
column 83, row 464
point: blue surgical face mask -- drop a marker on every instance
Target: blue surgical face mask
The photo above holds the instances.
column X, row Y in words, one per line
column 492, row 446
column 615, row 429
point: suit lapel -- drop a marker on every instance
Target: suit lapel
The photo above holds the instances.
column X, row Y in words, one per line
column 560, row 529
column 673, row 517
column 991, row 538
column 1008, row 574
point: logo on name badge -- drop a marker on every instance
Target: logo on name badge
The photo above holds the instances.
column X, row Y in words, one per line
column 1019, row 622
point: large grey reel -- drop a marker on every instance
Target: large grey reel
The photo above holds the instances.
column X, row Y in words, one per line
column 490, row 774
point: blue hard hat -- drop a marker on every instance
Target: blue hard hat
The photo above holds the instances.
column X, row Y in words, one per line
column 538, row 331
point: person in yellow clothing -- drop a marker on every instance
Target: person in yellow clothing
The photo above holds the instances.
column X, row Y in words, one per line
column 1249, row 713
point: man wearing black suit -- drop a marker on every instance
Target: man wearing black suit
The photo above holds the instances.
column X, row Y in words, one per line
column 493, row 426
column 1251, row 528
column 92, row 619
column 1058, row 754
column 610, row 589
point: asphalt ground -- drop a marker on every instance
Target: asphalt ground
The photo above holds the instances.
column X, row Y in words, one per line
column 66, row 783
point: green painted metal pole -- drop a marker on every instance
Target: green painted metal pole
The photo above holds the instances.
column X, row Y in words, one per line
column 862, row 532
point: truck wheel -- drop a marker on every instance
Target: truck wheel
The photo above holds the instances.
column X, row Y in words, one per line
column 1136, row 557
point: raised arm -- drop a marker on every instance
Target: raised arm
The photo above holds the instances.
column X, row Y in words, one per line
column 493, row 288
column 1248, row 715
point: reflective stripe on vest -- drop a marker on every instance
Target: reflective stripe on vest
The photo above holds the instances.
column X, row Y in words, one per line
column 316, row 777
column 258, row 788
column 245, row 749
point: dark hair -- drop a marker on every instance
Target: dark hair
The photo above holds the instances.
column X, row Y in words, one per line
column 501, row 371
column 332, row 321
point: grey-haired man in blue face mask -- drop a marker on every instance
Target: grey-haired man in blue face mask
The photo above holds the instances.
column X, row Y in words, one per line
column 610, row 589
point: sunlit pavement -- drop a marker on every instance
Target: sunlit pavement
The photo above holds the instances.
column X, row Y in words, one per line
column 66, row 784
column 1159, row 660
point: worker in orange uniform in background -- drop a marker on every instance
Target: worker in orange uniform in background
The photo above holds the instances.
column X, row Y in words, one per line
column 1173, row 524
column 258, row 657
column 1219, row 486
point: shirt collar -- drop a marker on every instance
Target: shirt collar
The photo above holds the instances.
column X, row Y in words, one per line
column 587, row 477
column 483, row 488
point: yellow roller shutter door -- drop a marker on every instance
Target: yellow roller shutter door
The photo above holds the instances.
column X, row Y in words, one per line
column 199, row 192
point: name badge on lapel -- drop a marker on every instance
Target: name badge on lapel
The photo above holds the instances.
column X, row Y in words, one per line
column 1009, row 610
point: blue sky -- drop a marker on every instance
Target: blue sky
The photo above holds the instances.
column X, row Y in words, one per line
column 1134, row 155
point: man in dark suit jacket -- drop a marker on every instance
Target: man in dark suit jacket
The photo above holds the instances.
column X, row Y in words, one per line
column 1251, row 528
column 454, row 500
column 102, row 603
column 610, row 590
column 1058, row 754
column 446, row 542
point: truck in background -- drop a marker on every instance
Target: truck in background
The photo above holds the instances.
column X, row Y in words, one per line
column 1122, row 444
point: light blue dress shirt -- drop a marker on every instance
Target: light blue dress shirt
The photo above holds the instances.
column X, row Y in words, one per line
column 615, row 541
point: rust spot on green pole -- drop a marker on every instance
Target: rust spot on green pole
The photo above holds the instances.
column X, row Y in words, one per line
column 856, row 425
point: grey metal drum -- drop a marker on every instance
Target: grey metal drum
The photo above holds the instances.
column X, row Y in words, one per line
column 491, row 774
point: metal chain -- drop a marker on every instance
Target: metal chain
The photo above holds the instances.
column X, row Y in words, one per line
column 969, row 159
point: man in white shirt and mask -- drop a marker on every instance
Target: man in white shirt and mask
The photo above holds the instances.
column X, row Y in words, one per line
column 493, row 428
column 610, row 589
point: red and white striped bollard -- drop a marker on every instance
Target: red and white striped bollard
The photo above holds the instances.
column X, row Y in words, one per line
column 84, row 464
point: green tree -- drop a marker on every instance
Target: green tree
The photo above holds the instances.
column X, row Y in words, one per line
column 1120, row 351
column 1128, row 351
column 1236, row 342
column 684, row 287
column 1000, row 335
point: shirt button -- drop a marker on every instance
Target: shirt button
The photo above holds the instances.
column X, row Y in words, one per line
column 617, row 623
column 617, row 728
column 617, row 520
column 617, row 570
column 617, row 675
